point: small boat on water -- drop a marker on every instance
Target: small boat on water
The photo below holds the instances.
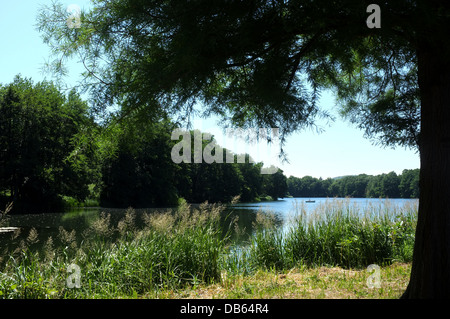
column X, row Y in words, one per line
column 310, row 201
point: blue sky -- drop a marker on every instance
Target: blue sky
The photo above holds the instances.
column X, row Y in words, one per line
column 340, row 150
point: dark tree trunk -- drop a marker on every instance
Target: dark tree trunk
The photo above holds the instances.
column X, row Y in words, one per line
column 430, row 275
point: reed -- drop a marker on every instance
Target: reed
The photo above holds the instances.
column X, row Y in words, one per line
column 339, row 234
column 187, row 247
column 173, row 250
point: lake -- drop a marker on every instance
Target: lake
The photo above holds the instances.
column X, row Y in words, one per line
column 286, row 209
column 79, row 219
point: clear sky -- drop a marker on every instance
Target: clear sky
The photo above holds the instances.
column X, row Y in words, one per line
column 340, row 150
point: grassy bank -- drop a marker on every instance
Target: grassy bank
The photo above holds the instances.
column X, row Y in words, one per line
column 180, row 252
column 300, row 283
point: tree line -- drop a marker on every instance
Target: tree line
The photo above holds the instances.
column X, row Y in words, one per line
column 45, row 151
column 405, row 185
column 53, row 151
column 138, row 170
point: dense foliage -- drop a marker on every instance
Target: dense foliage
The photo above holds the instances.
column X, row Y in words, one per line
column 54, row 152
column 405, row 185
column 52, row 149
column 41, row 156
column 141, row 173
column 137, row 169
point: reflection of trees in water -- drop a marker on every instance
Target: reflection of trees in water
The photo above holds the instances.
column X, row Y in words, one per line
column 242, row 223
column 238, row 223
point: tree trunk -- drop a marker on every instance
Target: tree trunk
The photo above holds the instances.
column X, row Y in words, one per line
column 430, row 275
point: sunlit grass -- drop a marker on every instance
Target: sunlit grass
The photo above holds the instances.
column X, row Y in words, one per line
column 303, row 283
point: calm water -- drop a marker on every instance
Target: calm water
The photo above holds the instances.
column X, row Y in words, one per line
column 286, row 209
column 79, row 219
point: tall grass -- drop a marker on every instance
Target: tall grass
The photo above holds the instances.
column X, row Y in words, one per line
column 186, row 247
column 338, row 233
column 172, row 250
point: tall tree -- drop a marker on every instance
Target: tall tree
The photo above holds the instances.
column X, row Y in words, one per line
column 275, row 185
column 137, row 170
column 263, row 63
column 409, row 183
column 40, row 157
column 390, row 184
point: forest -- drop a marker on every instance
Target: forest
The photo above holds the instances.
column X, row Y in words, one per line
column 391, row 185
column 54, row 153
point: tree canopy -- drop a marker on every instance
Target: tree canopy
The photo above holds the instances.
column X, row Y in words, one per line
column 138, row 171
column 255, row 63
column 391, row 185
column 40, row 157
column 52, row 149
